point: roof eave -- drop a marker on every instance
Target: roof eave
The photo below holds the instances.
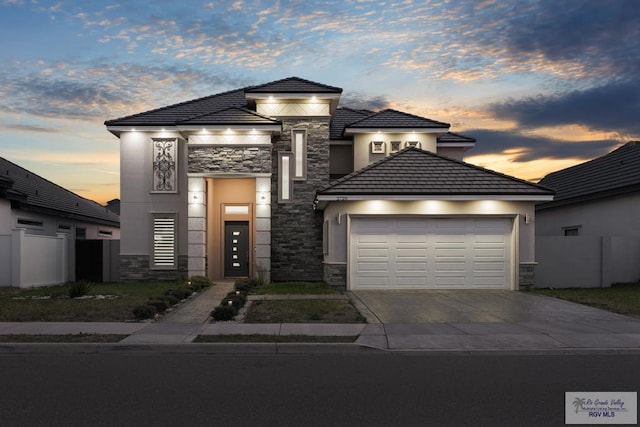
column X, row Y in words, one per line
column 356, row 130
column 322, row 200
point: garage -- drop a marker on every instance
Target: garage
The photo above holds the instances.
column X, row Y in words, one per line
column 391, row 252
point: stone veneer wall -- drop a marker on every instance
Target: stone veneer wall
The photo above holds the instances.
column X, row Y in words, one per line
column 214, row 159
column 527, row 276
column 336, row 275
column 135, row 268
column 296, row 229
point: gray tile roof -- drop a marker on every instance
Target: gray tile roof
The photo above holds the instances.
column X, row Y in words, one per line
column 32, row 192
column 293, row 85
column 344, row 116
column 415, row 172
column 232, row 116
column 451, row 137
column 173, row 114
column 396, row 119
column 614, row 173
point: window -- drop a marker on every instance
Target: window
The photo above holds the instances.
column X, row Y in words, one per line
column 299, row 148
column 165, row 167
column 81, row 233
column 412, row 144
column 572, row 231
column 64, row 228
column 30, row 223
column 325, row 237
column 164, row 241
column 105, row 233
column 285, row 179
column 395, row 146
column 377, row 147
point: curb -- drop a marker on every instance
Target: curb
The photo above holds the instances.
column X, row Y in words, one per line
column 190, row 348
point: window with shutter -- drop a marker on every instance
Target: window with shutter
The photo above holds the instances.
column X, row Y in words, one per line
column 164, row 241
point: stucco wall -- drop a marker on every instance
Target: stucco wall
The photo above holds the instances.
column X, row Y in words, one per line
column 362, row 155
column 137, row 200
column 617, row 216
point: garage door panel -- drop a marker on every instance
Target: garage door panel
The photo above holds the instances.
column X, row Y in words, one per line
column 437, row 253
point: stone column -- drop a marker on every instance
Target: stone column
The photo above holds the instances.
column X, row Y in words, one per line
column 197, row 227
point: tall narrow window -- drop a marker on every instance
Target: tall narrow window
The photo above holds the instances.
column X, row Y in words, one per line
column 299, row 147
column 164, row 241
column 285, row 179
column 165, row 166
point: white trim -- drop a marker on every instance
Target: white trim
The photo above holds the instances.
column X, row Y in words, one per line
column 506, row 197
column 294, row 96
column 350, row 131
column 227, row 175
column 247, row 128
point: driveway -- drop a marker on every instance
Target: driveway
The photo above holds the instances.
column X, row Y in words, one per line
column 476, row 306
column 489, row 319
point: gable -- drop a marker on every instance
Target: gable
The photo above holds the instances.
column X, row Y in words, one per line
column 414, row 172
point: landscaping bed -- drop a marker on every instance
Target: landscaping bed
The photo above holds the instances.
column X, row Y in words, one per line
column 623, row 298
column 93, row 302
column 301, row 302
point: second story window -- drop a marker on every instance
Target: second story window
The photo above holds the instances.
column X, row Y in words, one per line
column 299, row 148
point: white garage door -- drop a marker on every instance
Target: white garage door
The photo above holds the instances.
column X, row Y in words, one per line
column 430, row 253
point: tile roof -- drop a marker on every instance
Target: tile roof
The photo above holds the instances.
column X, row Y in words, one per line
column 342, row 117
column 451, row 137
column 415, row 172
column 33, row 192
column 173, row 114
column 293, row 85
column 613, row 173
column 396, row 119
column 232, row 116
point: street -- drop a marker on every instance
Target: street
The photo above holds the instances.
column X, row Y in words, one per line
column 306, row 390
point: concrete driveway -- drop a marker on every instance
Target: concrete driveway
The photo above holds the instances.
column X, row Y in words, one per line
column 489, row 319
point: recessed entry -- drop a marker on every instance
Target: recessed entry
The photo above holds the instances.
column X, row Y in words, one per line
column 236, row 210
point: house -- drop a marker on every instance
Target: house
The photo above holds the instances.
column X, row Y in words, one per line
column 588, row 236
column 278, row 181
column 40, row 223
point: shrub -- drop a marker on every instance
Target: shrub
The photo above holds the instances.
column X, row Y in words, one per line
column 237, row 295
column 170, row 299
column 142, row 312
column 197, row 283
column 246, row 285
column 159, row 305
column 224, row 312
column 179, row 293
column 79, row 289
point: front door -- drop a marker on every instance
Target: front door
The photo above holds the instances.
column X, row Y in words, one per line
column 236, row 248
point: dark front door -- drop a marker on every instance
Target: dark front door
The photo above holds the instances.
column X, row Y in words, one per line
column 236, row 249
column 89, row 260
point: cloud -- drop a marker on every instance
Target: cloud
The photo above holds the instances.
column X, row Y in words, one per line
column 359, row 100
column 30, row 128
column 612, row 107
column 527, row 148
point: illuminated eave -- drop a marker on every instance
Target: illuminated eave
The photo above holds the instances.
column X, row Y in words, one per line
column 354, row 131
column 322, row 200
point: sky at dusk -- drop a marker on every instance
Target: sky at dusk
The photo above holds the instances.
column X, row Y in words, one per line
column 541, row 85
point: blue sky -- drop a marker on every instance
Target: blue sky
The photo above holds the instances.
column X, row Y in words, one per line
column 541, row 85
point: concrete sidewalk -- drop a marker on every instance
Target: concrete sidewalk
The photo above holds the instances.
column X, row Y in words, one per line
column 528, row 323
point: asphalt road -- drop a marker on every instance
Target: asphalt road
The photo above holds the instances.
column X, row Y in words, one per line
column 301, row 390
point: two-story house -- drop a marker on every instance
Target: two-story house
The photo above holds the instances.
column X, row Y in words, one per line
column 276, row 180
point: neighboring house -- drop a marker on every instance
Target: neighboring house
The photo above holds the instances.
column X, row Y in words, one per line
column 39, row 224
column 589, row 235
column 242, row 184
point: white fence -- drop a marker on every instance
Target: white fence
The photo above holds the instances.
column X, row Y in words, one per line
column 586, row 261
column 30, row 260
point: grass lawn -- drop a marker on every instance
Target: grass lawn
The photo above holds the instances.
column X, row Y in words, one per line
column 52, row 304
column 69, row 338
column 274, row 338
column 303, row 311
column 621, row 298
column 295, row 288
